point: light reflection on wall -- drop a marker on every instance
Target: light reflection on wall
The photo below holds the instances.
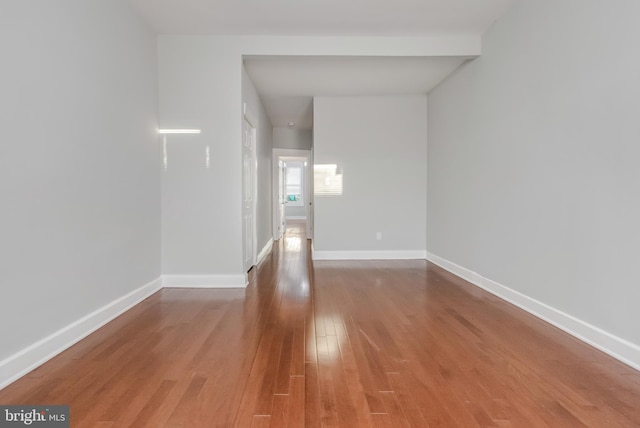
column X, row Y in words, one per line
column 326, row 180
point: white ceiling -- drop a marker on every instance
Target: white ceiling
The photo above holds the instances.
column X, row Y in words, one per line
column 321, row 17
column 287, row 85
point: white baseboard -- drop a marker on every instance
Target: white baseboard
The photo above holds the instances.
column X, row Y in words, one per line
column 369, row 255
column 265, row 250
column 620, row 349
column 296, row 217
column 24, row 361
column 205, row 281
column 21, row 363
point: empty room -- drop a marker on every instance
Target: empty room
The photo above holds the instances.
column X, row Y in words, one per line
column 229, row 213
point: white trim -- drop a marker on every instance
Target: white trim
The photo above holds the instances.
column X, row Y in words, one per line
column 250, row 116
column 24, row 361
column 464, row 273
column 369, row 255
column 620, row 349
column 265, row 250
column 205, row 281
column 296, row 217
column 254, row 186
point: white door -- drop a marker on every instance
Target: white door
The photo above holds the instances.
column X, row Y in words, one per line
column 308, row 170
column 282, row 196
column 249, row 173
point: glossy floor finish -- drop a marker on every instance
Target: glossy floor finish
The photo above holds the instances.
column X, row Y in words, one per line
column 336, row 344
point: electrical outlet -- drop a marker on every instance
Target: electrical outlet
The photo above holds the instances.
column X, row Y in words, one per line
column 379, row 236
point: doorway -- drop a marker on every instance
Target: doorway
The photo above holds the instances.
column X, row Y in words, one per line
column 292, row 190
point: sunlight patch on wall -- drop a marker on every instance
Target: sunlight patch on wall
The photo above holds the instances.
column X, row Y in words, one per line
column 326, row 180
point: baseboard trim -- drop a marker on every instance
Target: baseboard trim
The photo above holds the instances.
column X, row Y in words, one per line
column 26, row 360
column 205, row 281
column 620, row 349
column 296, row 217
column 19, row 364
column 265, row 250
column 369, row 255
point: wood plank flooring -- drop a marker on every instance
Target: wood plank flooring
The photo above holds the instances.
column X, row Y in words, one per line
column 334, row 344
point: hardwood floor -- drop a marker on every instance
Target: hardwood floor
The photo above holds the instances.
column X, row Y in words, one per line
column 336, row 344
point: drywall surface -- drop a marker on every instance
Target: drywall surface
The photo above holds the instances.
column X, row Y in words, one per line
column 201, row 203
column 79, row 163
column 533, row 160
column 295, row 212
column 296, row 139
column 379, row 145
column 200, row 86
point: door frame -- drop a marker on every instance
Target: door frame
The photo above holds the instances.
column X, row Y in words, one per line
column 308, row 158
column 254, row 191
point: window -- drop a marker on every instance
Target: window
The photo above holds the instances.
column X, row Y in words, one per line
column 293, row 182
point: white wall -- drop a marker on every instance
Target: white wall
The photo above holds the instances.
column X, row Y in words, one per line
column 296, row 139
column 295, row 212
column 380, row 144
column 200, row 86
column 533, row 163
column 264, row 147
column 79, row 164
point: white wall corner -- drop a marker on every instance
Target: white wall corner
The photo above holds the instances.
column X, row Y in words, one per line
column 620, row 349
column 205, row 281
column 369, row 255
column 21, row 363
column 265, row 250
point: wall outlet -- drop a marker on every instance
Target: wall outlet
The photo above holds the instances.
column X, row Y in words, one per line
column 379, row 236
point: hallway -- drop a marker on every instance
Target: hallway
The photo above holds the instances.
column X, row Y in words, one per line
column 337, row 344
